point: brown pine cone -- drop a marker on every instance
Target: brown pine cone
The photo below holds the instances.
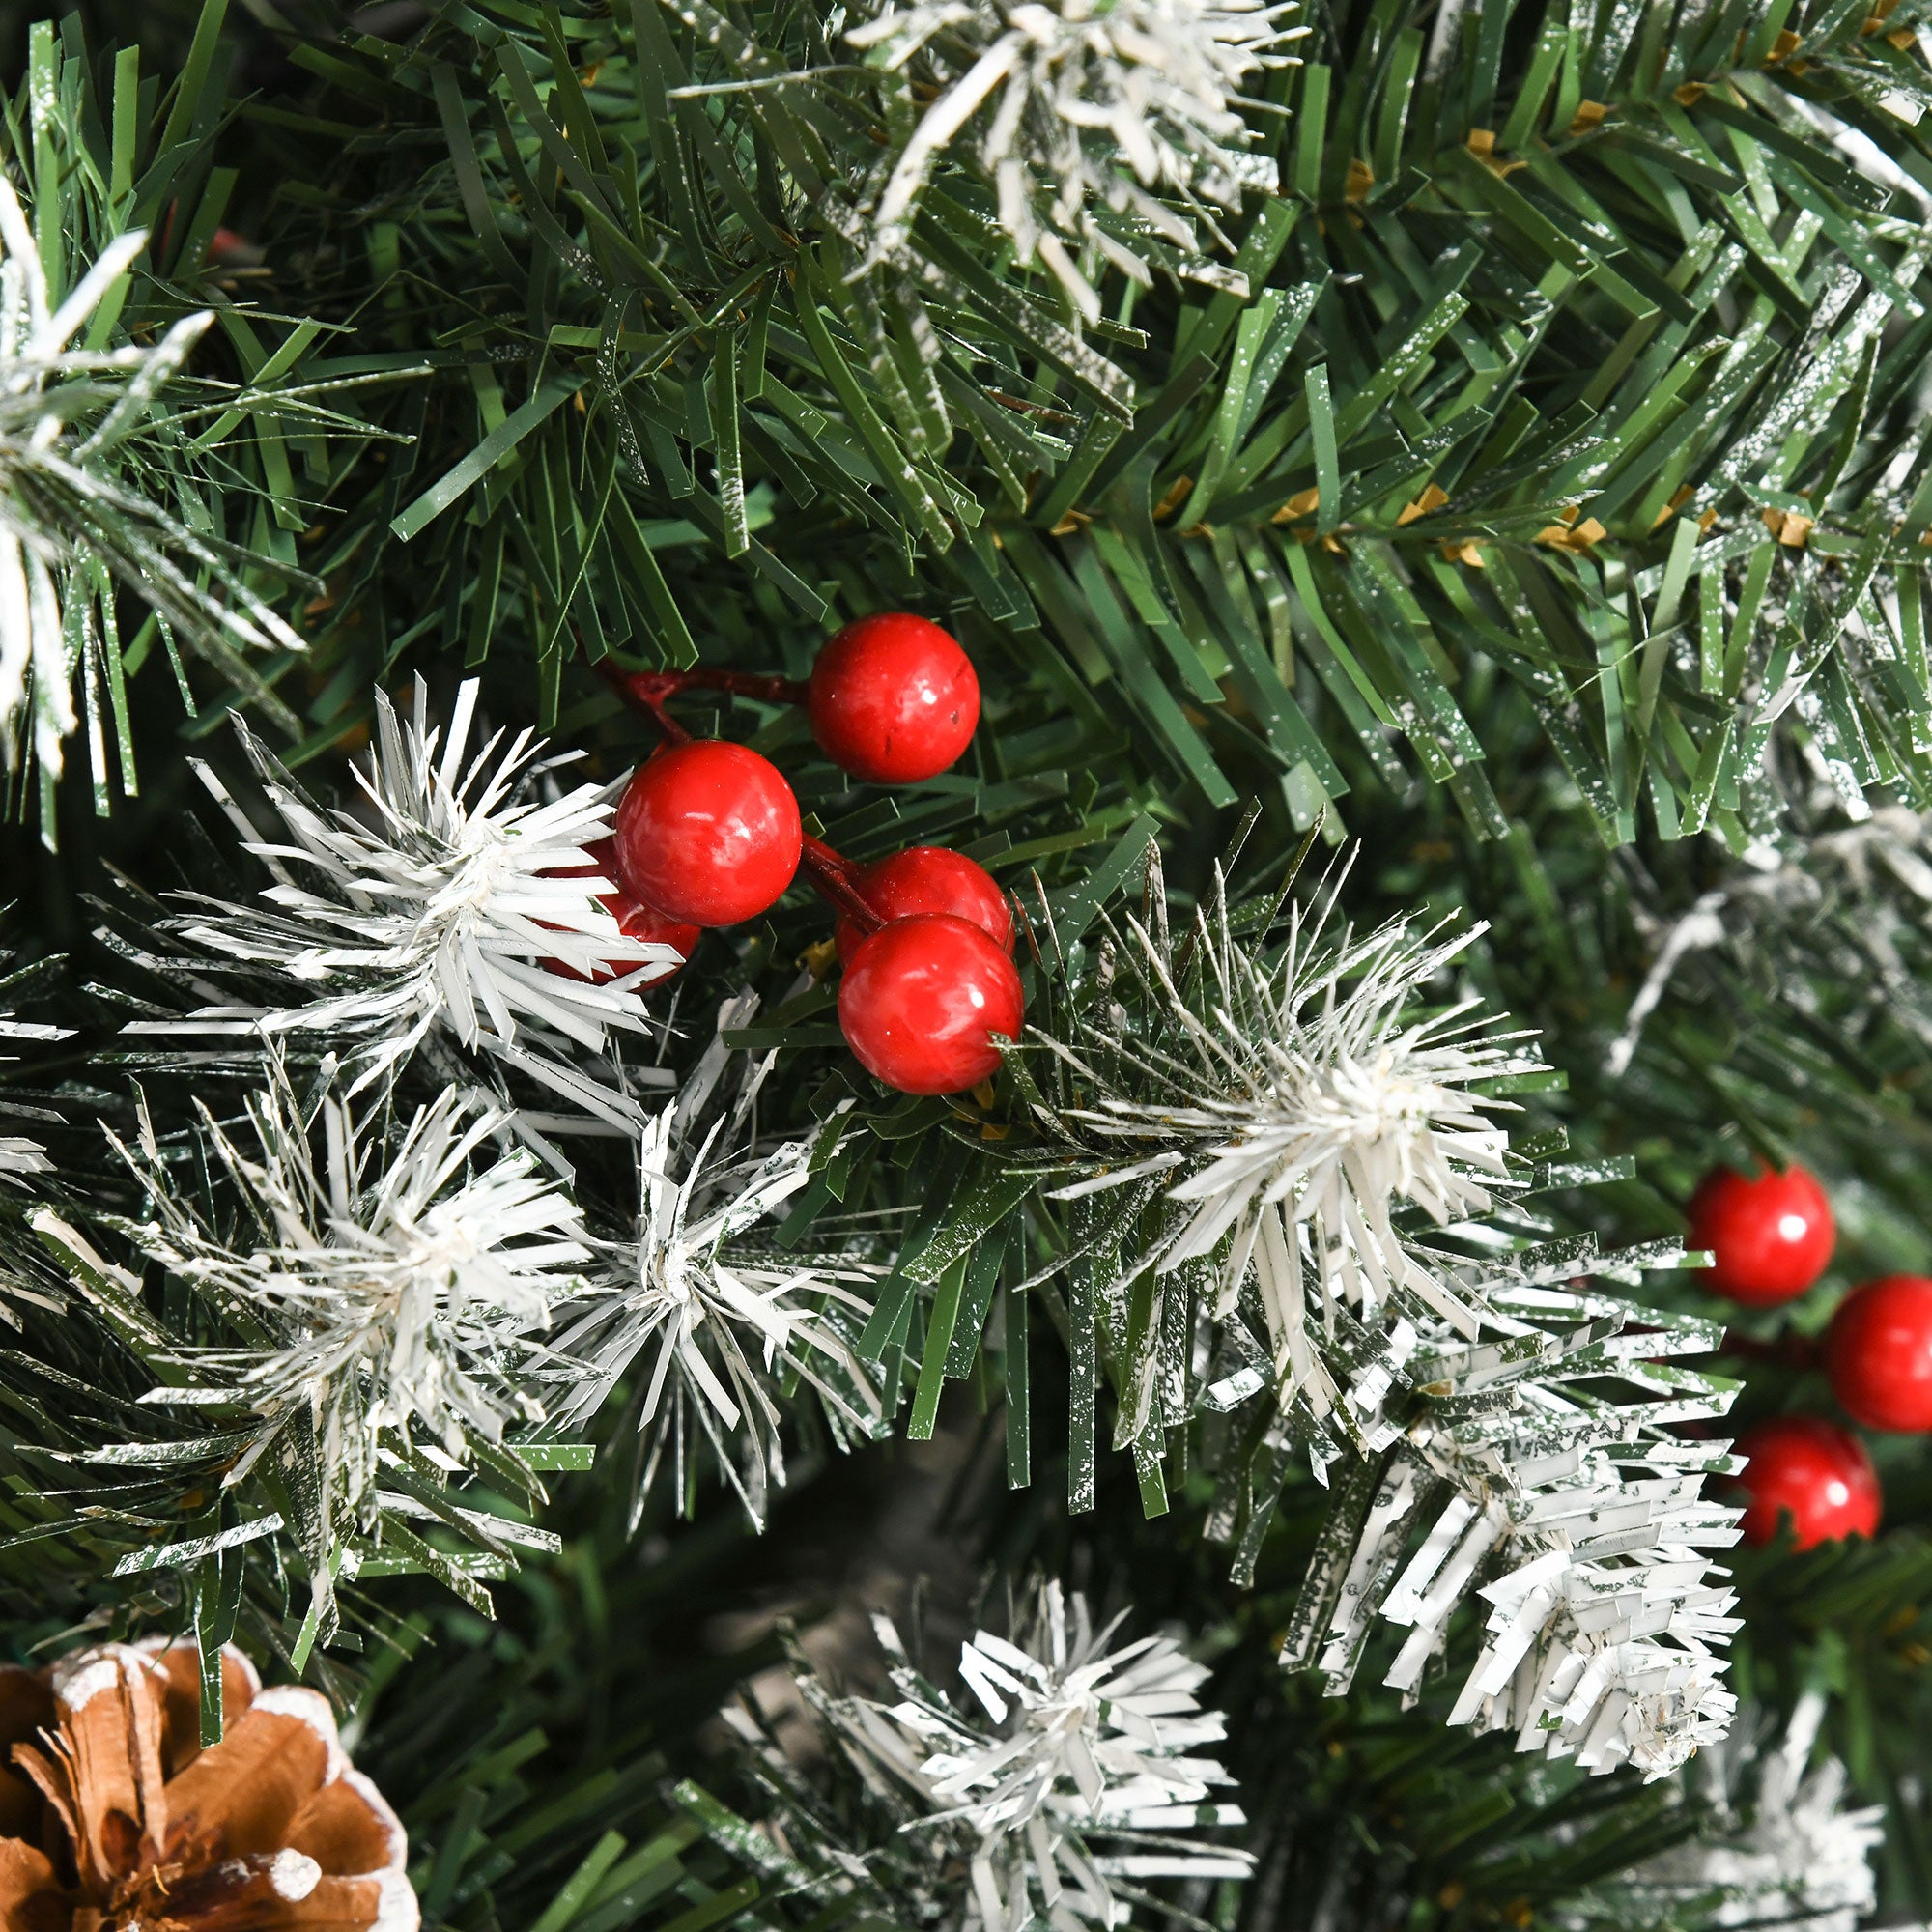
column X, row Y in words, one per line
column 112, row 1816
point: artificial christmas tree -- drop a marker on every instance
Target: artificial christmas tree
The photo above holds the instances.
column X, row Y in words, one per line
column 985, row 811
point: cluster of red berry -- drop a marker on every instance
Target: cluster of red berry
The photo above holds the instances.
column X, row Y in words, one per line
column 708, row 832
column 1771, row 1237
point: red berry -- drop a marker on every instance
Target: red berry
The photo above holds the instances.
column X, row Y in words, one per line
column 922, row 999
column 708, row 832
column 928, row 878
column 1878, row 1352
column 1815, row 1472
column 892, row 698
column 635, row 919
column 1770, row 1236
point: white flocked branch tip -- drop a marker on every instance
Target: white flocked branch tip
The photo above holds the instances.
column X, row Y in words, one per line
column 1781, row 1848
column 1580, row 1521
column 1870, row 875
column 70, row 523
column 1309, row 1097
column 712, row 1325
column 1310, row 1132
column 1080, row 1766
column 1089, row 120
column 400, row 1281
column 21, row 1155
column 448, row 901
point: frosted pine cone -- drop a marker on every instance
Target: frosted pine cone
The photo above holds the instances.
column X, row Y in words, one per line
column 112, row 1815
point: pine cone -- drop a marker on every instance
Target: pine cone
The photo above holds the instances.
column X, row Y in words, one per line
column 112, row 1816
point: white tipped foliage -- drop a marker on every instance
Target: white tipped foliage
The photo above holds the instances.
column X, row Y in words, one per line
column 396, row 1282
column 439, row 905
column 1077, row 1775
column 709, row 1326
column 1294, row 1190
column 75, row 523
column 1576, row 1520
column 19, row 1155
column 1286, row 1109
column 1782, row 1850
column 1089, row 121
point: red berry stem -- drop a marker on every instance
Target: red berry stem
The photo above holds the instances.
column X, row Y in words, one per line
column 744, row 683
column 649, row 691
column 639, row 689
column 836, row 880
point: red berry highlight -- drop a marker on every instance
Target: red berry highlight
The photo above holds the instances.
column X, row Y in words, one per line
column 892, row 698
column 1814, row 1471
column 1877, row 1353
column 635, row 920
column 928, row 878
column 922, row 999
column 1770, row 1237
column 708, row 832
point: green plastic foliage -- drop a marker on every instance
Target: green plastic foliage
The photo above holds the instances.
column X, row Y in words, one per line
column 1578, row 352
column 181, row 490
column 1562, row 463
